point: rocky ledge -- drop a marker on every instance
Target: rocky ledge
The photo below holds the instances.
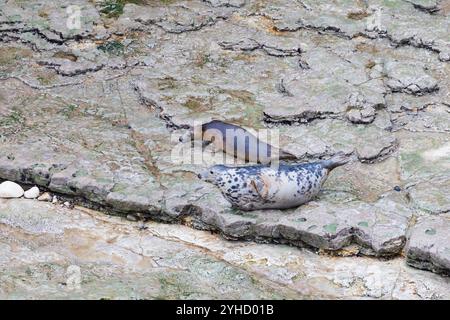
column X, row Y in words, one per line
column 94, row 113
column 49, row 251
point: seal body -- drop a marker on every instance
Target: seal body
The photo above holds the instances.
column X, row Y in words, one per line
column 265, row 187
column 236, row 141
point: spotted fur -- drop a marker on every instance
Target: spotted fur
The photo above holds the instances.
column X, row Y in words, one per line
column 264, row 187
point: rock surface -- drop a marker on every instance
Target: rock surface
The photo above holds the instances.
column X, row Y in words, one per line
column 95, row 113
column 51, row 252
column 428, row 246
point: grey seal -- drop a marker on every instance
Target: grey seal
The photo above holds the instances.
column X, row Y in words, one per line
column 236, row 141
column 265, row 187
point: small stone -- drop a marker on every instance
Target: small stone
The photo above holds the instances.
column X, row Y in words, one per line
column 69, row 205
column 366, row 115
column 32, row 193
column 132, row 217
column 55, row 199
column 9, row 189
column 142, row 226
column 444, row 56
column 368, row 112
column 45, row 197
column 397, row 188
column 354, row 115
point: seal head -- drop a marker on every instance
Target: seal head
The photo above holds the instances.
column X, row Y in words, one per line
column 211, row 174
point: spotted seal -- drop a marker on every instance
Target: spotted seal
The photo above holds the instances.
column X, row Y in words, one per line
column 236, row 141
column 265, row 187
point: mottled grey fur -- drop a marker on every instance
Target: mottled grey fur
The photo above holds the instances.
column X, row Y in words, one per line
column 265, row 187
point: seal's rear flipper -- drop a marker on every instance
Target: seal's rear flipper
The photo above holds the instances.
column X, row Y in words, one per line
column 287, row 156
column 339, row 159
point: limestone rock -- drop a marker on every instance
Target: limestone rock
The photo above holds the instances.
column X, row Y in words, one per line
column 9, row 189
column 428, row 245
column 32, row 193
column 369, row 80
column 45, row 197
column 432, row 196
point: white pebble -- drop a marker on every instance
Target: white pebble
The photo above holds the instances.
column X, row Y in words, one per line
column 132, row 217
column 45, row 197
column 32, row 193
column 10, row 189
column 55, row 199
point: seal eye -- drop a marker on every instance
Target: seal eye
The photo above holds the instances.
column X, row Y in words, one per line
column 212, row 172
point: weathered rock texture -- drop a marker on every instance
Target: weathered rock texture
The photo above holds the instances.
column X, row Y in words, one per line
column 89, row 112
column 428, row 247
column 51, row 252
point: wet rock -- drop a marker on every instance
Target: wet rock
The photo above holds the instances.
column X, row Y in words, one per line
column 428, row 246
column 32, row 193
column 9, row 189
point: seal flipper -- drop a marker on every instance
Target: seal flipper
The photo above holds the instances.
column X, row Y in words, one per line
column 260, row 187
column 287, row 156
column 339, row 159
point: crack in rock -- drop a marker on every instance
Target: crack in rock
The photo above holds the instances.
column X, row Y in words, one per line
column 150, row 100
column 430, row 9
column 226, row 3
column 179, row 19
column 71, row 69
column 252, row 45
column 289, row 21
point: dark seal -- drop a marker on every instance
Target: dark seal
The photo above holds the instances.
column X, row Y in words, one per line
column 236, row 141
